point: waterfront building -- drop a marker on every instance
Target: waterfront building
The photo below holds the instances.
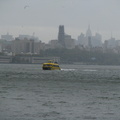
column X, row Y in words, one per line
column 22, row 46
column 32, row 59
column 5, row 46
column 27, row 46
column 5, row 59
column 38, row 46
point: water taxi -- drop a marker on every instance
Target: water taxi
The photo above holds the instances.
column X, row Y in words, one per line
column 50, row 65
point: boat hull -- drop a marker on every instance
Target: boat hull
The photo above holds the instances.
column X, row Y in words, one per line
column 50, row 68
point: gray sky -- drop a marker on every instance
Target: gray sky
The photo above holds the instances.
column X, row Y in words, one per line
column 44, row 16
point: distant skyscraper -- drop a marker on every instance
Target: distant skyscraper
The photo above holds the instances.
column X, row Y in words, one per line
column 61, row 35
column 89, row 40
column 69, row 42
column 88, row 33
column 81, row 39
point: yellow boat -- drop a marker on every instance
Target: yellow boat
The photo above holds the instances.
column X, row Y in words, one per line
column 50, row 65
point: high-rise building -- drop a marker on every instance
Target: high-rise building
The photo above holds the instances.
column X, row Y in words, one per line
column 0, row 47
column 81, row 40
column 88, row 33
column 69, row 42
column 97, row 40
column 23, row 46
column 61, row 35
column 28, row 37
column 89, row 42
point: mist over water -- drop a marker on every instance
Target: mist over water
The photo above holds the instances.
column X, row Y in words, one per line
column 76, row 92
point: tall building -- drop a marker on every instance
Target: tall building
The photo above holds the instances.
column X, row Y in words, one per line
column 28, row 37
column 82, row 40
column 89, row 40
column 111, row 43
column 23, row 46
column 54, row 44
column 69, row 42
column 0, row 47
column 61, row 35
column 97, row 40
column 88, row 33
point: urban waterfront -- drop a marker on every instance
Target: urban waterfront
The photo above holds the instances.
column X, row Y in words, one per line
column 76, row 92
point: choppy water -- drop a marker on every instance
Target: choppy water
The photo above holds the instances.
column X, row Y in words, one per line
column 77, row 92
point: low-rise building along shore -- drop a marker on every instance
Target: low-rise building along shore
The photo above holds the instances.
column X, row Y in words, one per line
column 5, row 59
column 19, row 59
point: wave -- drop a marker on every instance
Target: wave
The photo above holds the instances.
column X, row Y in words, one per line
column 89, row 70
column 68, row 69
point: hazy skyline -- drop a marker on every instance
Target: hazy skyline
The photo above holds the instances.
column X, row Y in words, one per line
column 43, row 17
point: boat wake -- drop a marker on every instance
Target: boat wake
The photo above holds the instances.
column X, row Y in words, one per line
column 68, row 69
column 89, row 70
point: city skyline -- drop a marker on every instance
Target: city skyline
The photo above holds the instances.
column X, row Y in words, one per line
column 57, row 33
column 42, row 17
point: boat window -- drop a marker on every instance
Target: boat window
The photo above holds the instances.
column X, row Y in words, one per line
column 56, row 65
column 47, row 65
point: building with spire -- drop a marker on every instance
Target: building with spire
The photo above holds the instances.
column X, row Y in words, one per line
column 88, row 32
column 89, row 40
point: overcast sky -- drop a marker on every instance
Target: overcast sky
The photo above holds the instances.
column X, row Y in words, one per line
column 43, row 17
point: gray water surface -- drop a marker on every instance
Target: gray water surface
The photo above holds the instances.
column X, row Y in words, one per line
column 77, row 92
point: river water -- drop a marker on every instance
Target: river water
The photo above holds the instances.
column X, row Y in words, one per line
column 76, row 92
